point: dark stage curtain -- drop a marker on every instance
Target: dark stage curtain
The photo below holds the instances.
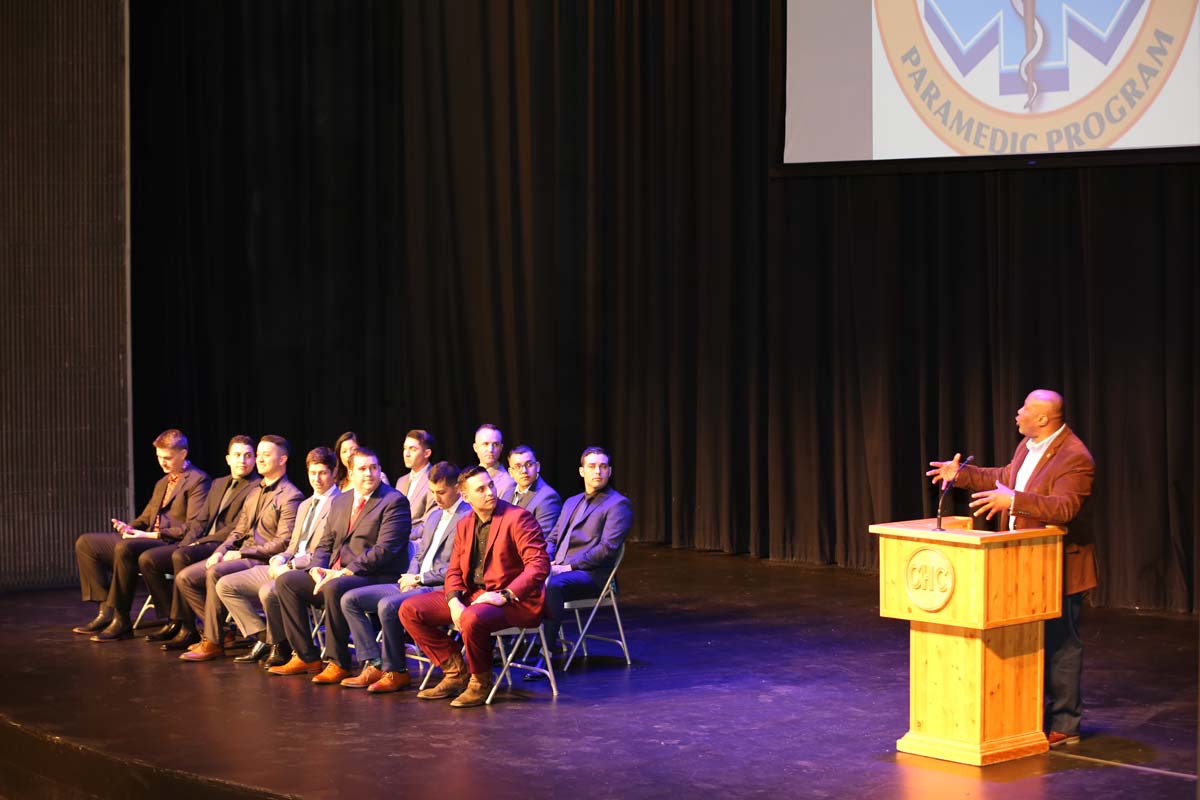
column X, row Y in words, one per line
column 557, row 217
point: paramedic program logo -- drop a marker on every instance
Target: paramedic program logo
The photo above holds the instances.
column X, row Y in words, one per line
column 1027, row 76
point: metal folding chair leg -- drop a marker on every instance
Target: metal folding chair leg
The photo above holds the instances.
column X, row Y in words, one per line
column 509, row 661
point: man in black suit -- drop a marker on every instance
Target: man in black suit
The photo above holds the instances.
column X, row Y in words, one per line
column 225, row 500
column 263, row 529
column 175, row 511
column 365, row 542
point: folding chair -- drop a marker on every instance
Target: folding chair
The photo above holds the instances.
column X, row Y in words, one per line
column 149, row 604
column 607, row 598
column 508, row 658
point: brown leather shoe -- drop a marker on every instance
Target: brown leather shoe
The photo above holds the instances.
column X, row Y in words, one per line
column 477, row 691
column 370, row 673
column 454, row 680
column 331, row 674
column 297, row 666
column 204, row 651
column 390, row 682
column 1057, row 738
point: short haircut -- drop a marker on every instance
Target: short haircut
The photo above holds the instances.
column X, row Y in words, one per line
column 487, row 426
column 171, row 439
column 444, row 473
column 365, row 452
column 522, row 448
column 593, row 450
column 321, row 455
column 241, row 438
column 422, row 436
column 471, row 472
column 278, row 441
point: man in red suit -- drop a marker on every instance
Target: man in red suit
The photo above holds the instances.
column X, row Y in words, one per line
column 1048, row 482
column 495, row 580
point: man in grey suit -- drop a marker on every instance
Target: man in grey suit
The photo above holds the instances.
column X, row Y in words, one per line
column 365, row 543
column 245, row 593
column 426, row 573
column 584, row 543
column 224, row 504
column 263, row 529
column 418, row 450
column 175, row 511
column 489, row 446
column 529, row 491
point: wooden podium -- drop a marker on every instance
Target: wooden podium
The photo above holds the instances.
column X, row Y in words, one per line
column 975, row 601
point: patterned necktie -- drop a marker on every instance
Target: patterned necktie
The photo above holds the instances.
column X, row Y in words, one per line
column 172, row 479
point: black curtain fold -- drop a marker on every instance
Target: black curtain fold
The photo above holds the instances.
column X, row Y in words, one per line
column 557, row 217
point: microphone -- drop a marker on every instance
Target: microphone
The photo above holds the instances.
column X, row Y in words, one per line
column 946, row 488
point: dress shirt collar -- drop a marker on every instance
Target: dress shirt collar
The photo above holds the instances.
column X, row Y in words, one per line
column 1037, row 448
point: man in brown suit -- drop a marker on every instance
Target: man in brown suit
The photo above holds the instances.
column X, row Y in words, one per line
column 175, row 511
column 1048, row 482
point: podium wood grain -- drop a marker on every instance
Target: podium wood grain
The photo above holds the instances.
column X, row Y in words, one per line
column 975, row 601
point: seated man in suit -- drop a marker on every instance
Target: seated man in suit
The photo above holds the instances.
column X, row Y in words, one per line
column 365, row 543
column 246, row 593
column 262, row 529
column 426, row 573
column 494, row 581
column 584, row 543
column 489, row 446
column 529, row 491
column 225, row 499
column 175, row 510
column 418, row 450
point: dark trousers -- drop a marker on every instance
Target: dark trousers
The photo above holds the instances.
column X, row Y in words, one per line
column 294, row 592
column 108, row 567
column 155, row 570
column 573, row 585
column 1064, row 665
column 426, row 616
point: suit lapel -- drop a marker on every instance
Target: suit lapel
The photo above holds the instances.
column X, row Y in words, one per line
column 499, row 520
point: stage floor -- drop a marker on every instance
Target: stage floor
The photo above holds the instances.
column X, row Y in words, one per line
column 749, row 679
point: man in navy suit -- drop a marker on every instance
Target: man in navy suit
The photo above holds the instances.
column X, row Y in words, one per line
column 584, row 543
column 365, row 543
column 530, row 492
column 426, row 573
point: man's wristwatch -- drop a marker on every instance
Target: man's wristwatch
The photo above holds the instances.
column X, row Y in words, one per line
column 508, row 595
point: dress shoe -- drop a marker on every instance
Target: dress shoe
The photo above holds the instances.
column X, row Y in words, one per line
column 257, row 653
column 166, row 633
column 333, row 673
column 1057, row 738
column 370, row 673
column 118, row 629
column 233, row 642
column 99, row 622
column 390, row 682
column 205, row 651
column 454, row 680
column 477, row 691
column 182, row 640
column 281, row 653
column 297, row 666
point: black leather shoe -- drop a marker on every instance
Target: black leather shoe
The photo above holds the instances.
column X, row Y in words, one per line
column 281, row 653
column 118, row 629
column 165, row 634
column 257, row 653
column 103, row 618
column 182, row 640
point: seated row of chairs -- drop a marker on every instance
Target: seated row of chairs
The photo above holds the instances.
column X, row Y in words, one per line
column 510, row 640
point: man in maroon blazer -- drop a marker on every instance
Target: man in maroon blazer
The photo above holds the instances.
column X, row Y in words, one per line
column 495, row 580
column 1048, row 482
